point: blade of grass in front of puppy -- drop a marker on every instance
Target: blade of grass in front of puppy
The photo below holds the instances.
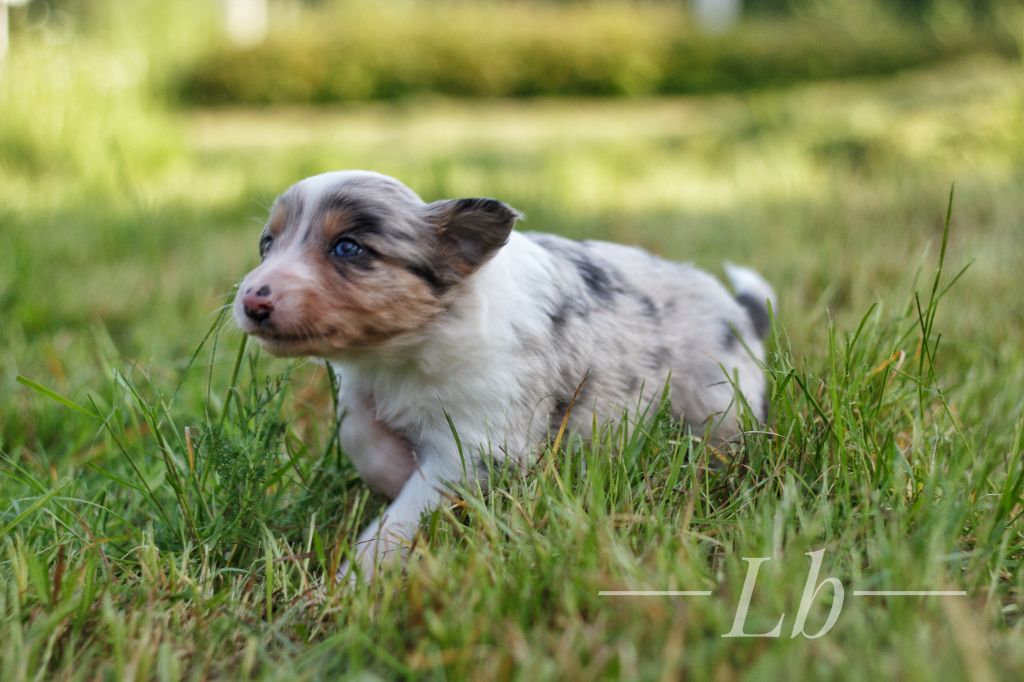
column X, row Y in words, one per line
column 53, row 395
column 926, row 316
column 108, row 426
column 335, row 441
column 268, row 573
column 213, row 330
column 188, row 465
column 32, row 508
column 568, row 412
column 150, row 416
column 233, row 383
column 458, row 441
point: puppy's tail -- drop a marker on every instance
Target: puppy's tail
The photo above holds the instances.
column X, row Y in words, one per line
column 753, row 293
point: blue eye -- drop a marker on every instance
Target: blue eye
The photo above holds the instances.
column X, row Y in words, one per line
column 346, row 248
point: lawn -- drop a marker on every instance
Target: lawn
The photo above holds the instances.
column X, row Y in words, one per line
column 171, row 499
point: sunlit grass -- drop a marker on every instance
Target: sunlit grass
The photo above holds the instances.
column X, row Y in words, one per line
column 125, row 553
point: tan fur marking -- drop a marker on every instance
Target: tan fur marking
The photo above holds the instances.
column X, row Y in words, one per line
column 327, row 304
column 364, row 308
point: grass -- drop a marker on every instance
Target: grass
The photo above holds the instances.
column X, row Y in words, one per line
column 170, row 497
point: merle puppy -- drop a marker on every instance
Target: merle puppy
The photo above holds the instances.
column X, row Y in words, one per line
column 438, row 311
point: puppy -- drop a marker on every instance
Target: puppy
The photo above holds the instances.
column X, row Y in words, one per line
column 438, row 315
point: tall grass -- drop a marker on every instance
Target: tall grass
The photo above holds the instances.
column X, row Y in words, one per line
column 228, row 534
column 171, row 499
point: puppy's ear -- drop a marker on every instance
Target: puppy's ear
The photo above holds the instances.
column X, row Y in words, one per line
column 470, row 231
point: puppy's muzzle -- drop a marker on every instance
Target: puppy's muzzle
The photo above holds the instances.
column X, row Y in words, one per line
column 258, row 304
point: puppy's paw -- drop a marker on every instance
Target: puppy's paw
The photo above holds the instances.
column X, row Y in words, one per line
column 372, row 557
column 348, row 577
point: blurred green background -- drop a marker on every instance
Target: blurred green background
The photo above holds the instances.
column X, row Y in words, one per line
column 129, row 204
column 142, row 141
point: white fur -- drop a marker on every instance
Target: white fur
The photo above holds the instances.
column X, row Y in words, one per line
column 747, row 281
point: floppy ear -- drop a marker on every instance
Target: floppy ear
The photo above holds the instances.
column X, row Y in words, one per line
column 470, row 231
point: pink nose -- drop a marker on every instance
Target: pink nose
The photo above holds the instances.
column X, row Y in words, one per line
column 257, row 304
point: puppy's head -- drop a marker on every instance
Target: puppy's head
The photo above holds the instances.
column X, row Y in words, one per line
column 354, row 260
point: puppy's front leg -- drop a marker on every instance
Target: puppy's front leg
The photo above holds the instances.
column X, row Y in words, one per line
column 388, row 537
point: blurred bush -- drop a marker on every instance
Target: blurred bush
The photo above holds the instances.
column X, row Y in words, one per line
column 918, row 9
column 485, row 49
column 359, row 51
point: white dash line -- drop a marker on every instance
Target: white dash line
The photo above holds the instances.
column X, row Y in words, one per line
column 909, row 593
column 654, row 593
